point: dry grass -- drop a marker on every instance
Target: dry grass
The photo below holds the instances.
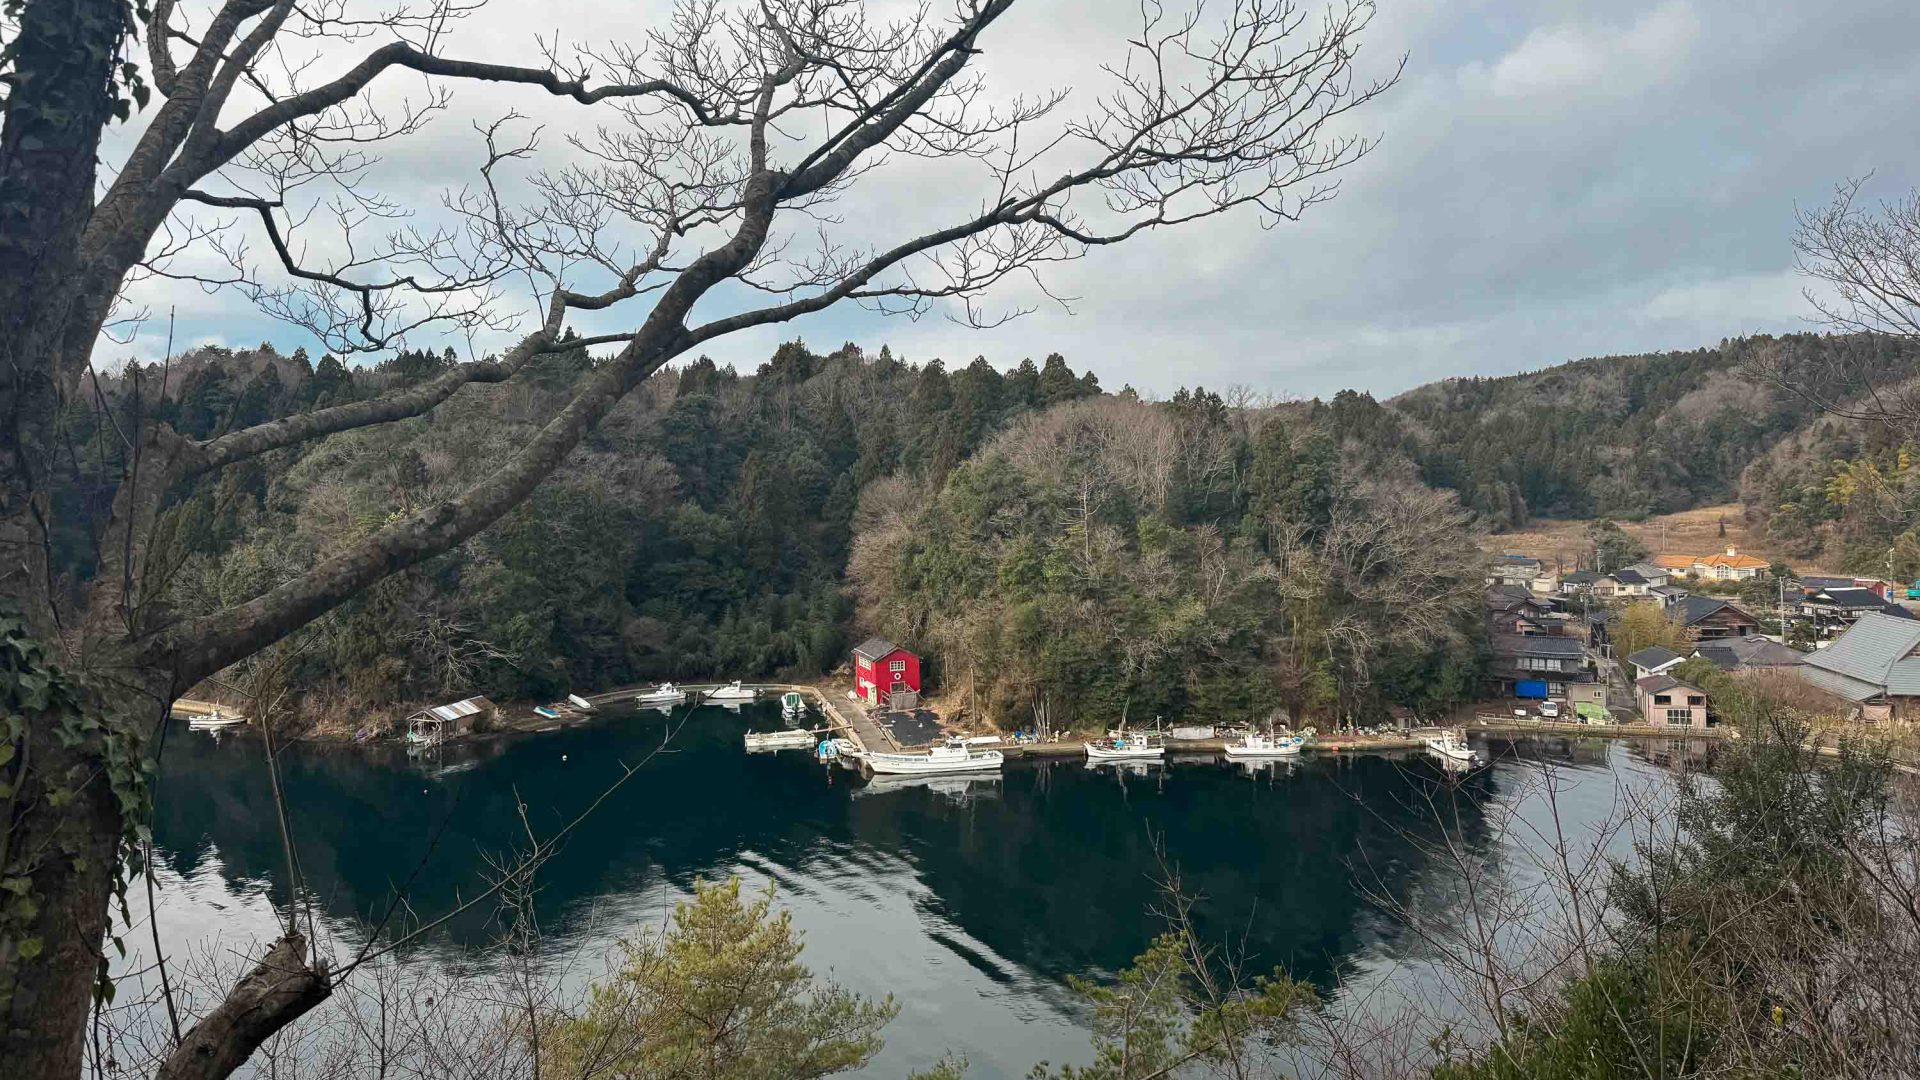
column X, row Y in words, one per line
column 1689, row 532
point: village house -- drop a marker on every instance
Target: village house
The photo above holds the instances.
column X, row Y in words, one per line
column 1675, row 565
column 1748, row 653
column 1813, row 583
column 1710, row 617
column 1653, row 660
column 1577, row 580
column 886, row 675
column 1668, row 595
column 1831, row 611
column 1513, row 610
column 1537, row 666
column 1872, row 664
column 1520, row 570
column 1667, row 702
column 1623, row 583
column 1538, row 652
column 1885, row 590
column 1655, row 574
column 1731, row 566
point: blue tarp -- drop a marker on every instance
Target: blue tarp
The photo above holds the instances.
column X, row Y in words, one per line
column 1530, row 688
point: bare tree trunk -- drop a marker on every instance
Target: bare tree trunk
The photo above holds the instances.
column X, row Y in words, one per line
column 55, row 110
column 279, row 989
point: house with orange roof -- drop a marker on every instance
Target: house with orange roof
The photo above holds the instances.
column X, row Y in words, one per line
column 1677, row 564
column 1731, row 566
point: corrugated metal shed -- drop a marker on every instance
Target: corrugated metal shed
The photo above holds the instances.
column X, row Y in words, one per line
column 458, row 709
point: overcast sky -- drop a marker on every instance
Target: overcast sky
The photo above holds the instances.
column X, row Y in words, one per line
column 1556, row 179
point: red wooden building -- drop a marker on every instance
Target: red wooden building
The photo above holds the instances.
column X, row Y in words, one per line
column 886, row 675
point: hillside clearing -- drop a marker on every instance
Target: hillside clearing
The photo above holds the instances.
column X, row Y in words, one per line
column 1690, row 532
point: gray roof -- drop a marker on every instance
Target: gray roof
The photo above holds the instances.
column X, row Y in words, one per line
column 1537, row 645
column 1817, row 582
column 1660, row 684
column 1650, row 571
column 1850, row 598
column 1628, row 577
column 1695, row 608
column 1873, row 657
column 1653, row 656
column 874, row 648
column 1753, row 651
column 1579, row 577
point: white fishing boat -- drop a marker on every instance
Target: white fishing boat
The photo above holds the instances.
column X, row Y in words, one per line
column 840, row 749
column 1256, row 746
column 579, row 702
column 733, row 691
column 953, row 756
column 215, row 720
column 664, row 694
column 1452, row 746
column 788, row 739
column 1127, row 746
column 792, row 704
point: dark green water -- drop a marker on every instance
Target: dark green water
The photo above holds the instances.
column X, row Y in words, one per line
column 970, row 900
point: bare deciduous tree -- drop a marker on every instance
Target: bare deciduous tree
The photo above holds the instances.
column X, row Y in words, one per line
column 700, row 179
column 1864, row 262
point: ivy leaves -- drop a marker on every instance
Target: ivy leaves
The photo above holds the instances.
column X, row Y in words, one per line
column 38, row 697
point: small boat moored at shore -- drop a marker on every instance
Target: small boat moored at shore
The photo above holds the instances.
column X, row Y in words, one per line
column 1256, row 745
column 1125, row 746
column 547, row 711
column 664, row 694
column 956, row 755
column 733, row 691
column 788, row 739
column 792, row 704
column 1451, row 746
column 215, row 720
column 579, row 702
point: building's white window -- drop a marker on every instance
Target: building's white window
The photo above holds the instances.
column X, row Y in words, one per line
column 899, row 667
column 1680, row 717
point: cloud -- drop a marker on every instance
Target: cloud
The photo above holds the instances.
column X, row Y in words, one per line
column 1727, row 300
column 1558, row 178
column 1575, row 59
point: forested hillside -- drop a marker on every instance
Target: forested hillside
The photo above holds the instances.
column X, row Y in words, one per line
column 1116, row 558
column 1623, row 436
column 1049, row 545
column 701, row 531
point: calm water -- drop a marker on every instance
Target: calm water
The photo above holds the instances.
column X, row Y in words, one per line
column 972, row 901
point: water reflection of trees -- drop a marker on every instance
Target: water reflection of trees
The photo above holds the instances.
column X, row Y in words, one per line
column 1057, row 871
column 1062, row 873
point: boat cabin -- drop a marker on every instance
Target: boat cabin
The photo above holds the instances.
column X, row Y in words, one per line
column 442, row 721
column 886, row 675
